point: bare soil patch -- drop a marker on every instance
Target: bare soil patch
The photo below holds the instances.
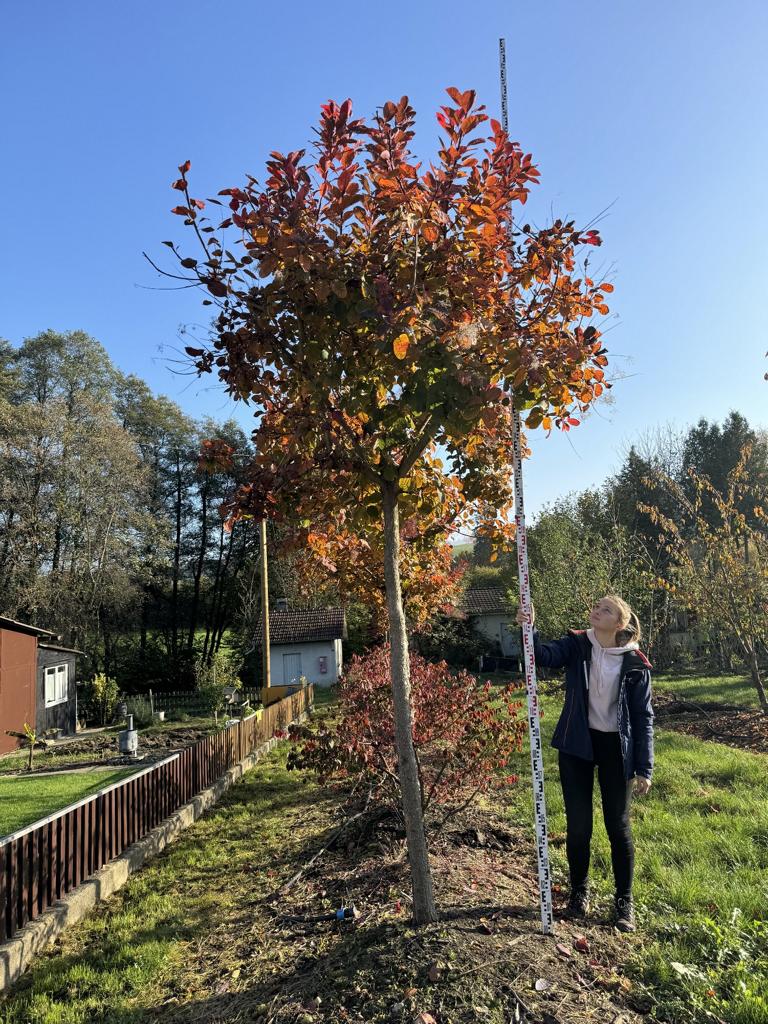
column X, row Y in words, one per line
column 735, row 725
column 485, row 960
column 101, row 750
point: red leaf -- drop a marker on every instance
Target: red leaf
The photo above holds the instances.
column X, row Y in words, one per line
column 183, row 168
column 198, row 203
column 581, row 943
column 189, row 263
column 182, row 211
column 180, row 184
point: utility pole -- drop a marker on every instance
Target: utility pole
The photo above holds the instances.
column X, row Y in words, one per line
column 534, row 727
column 266, row 680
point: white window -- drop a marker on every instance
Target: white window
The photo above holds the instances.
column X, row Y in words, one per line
column 56, row 684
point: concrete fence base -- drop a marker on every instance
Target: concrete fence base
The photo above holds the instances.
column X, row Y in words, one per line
column 17, row 953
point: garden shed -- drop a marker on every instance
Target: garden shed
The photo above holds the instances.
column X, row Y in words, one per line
column 306, row 643
column 37, row 682
column 493, row 617
column 56, row 687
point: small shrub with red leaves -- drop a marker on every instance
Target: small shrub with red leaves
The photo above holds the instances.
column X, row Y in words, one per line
column 466, row 734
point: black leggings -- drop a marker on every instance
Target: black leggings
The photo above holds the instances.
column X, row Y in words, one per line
column 577, row 779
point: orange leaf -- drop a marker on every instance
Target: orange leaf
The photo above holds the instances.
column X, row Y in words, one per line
column 605, row 287
column 401, row 345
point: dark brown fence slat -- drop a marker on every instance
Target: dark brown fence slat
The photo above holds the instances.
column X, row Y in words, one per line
column 34, row 870
column 13, row 889
column 22, row 869
column 4, row 875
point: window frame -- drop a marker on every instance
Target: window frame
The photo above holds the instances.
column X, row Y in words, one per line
column 59, row 687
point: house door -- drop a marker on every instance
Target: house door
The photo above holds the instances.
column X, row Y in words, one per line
column 510, row 646
column 291, row 668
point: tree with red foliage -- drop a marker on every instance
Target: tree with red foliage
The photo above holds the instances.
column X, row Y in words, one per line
column 377, row 311
column 464, row 734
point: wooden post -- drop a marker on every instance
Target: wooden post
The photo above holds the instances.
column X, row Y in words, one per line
column 267, row 680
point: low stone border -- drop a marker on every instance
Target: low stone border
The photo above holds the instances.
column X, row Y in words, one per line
column 17, row 954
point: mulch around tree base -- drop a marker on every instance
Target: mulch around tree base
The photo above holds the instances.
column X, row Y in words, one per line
column 485, row 960
column 732, row 724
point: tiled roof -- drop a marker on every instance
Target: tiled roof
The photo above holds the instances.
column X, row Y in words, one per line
column 302, row 627
column 485, row 601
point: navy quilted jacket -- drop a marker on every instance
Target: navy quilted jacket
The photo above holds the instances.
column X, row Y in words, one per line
column 635, row 714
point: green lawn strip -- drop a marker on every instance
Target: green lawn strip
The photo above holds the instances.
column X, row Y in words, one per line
column 731, row 689
column 24, row 800
column 172, row 933
column 701, row 839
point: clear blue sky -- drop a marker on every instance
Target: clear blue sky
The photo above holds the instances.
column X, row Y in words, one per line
column 659, row 108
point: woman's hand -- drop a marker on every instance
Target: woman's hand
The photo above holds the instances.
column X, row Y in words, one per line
column 522, row 618
column 642, row 785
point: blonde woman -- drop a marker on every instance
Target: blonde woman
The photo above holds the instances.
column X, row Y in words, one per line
column 606, row 722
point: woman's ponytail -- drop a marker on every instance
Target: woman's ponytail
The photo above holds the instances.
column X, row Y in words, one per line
column 631, row 633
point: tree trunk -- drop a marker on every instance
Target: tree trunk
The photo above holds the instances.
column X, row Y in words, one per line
column 210, row 618
column 198, row 572
column 176, row 562
column 424, row 909
column 754, row 671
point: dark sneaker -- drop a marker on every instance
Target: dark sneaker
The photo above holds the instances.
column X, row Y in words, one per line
column 625, row 914
column 578, row 903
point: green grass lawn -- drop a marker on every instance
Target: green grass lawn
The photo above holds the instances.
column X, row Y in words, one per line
column 733, row 689
column 169, row 931
column 701, row 888
column 24, row 800
column 701, row 839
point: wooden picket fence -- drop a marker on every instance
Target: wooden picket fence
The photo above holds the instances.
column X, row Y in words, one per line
column 41, row 863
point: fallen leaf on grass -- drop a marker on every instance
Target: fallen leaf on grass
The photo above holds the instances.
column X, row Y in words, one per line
column 563, row 949
column 425, row 1018
column 433, row 973
column 581, row 943
column 542, row 985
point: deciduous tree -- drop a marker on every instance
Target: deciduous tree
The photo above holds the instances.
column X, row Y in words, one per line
column 718, row 546
column 377, row 310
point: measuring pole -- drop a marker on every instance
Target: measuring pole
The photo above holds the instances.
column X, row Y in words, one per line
column 267, row 677
column 534, row 728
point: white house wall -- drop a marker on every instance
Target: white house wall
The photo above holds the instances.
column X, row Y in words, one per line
column 311, row 653
column 500, row 629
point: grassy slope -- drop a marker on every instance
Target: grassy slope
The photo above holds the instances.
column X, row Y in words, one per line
column 25, row 800
column 735, row 689
column 146, row 948
column 701, row 839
